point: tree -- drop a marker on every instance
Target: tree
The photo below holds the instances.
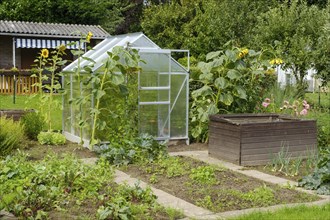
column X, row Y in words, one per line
column 107, row 13
column 294, row 29
column 202, row 25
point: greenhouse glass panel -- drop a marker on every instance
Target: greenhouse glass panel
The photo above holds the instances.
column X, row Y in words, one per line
column 158, row 94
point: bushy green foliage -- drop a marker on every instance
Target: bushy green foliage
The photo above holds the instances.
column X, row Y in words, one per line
column 141, row 148
column 319, row 180
column 11, row 135
column 119, row 206
column 296, row 29
column 32, row 189
column 234, row 80
column 202, row 25
column 33, row 124
column 51, row 138
column 28, row 189
column 203, row 174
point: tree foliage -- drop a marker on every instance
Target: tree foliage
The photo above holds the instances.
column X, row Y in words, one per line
column 202, row 25
column 294, row 29
column 115, row 16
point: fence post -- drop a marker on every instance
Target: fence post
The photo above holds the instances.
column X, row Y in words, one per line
column 14, row 97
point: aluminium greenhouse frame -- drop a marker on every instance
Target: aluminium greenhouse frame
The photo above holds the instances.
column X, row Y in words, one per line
column 163, row 89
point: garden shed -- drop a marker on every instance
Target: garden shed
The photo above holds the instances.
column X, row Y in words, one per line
column 162, row 93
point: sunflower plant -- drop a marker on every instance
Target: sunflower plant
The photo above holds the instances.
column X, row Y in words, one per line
column 47, row 64
column 233, row 80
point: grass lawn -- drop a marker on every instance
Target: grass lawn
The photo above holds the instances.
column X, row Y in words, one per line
column 300, row 212
column 313, row 98
column 31, row 102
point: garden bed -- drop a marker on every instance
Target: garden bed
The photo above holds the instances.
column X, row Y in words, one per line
column 213, row 188
column 63, row 187
column 253, row 139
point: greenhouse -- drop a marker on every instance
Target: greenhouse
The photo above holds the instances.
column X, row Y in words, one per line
column 162, row 92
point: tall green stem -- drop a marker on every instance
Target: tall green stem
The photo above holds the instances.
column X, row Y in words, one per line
column 98, row 106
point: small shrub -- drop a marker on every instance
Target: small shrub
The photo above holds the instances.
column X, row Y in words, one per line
column 143, row 148
column 51, row 138
column 11, row 135
column 319, row 180
column 33, row 124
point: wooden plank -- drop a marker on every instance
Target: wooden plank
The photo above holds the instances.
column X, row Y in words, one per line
column 1, row 84
column 295, row 154
column 308, row 142
column 224, row 139
column 224, row 157
column 226, row 149
column 273, row 150
column 265, row 139
column 278, row 125
column 224, row 125
column 230, row 133
column 274, row 132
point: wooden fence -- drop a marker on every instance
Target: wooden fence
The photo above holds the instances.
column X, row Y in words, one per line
column 24, row 83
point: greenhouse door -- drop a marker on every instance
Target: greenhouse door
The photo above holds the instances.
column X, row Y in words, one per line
column 155, row 93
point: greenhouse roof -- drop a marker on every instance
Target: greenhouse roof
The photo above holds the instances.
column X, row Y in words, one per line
column 137, row 41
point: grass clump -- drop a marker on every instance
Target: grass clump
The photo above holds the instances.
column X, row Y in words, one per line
column 11, row 135
column 33, row 124
column 300, row 212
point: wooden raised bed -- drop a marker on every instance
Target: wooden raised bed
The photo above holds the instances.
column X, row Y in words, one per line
column 14, row 113
column 253, row 139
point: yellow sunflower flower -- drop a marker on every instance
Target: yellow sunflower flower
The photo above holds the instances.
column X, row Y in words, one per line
column 44, row 53
column 276, row 61
column 243, row 53
column 62, row 48
column 89, row 36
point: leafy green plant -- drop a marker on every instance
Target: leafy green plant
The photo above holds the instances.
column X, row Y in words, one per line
column 120, row 206
column 11, row 135
column 113, row 73
column 319, row 180
column 52, row 138
column 170, row 166
column 262, row 195
column 142, row 148
column 203, row 174
column 46, row 68
column 29, row 189
column 33, row 124
column 233, row 81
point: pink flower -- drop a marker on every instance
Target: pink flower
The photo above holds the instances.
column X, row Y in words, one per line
column 265, row 104
column 304, row 112
column 267, row 100
column 306, row 106
column 304, row 102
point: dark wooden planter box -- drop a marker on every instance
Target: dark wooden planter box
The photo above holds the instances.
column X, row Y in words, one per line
column 14, row 113
column 253, row 139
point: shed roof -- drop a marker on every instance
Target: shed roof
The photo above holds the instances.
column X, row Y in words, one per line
column 56, row 30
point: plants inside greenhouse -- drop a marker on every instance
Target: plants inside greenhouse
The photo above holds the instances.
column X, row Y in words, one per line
column 126, row 85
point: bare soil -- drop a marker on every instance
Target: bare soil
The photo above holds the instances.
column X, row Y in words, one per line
column 38, row 151
column 231, row 192
column 182, row 146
